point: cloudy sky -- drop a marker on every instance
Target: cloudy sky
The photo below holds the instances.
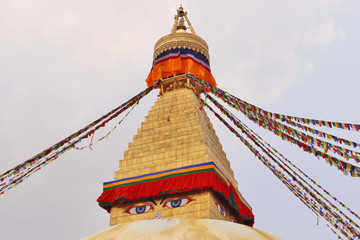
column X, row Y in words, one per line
column 65, row 63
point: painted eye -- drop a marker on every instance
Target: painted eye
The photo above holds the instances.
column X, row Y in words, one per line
column 177, row 203
column 221, row 210
column 140, row 209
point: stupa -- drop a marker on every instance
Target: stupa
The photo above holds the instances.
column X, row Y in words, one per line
column 175, row 181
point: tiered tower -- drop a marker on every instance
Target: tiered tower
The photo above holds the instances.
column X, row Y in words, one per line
column 175, row 134
column 175, row 166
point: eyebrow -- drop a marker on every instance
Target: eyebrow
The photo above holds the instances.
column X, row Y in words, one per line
column 152, row 200
column 163, row 200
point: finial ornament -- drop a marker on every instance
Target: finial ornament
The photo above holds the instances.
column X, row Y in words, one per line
column 180, row 10
column 181, row 51
column 179, row 38
column 179, row 23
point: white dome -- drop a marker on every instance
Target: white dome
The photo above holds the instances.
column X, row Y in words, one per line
column 176, row 228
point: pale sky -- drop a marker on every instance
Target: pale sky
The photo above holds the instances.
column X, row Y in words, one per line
column 66, row 63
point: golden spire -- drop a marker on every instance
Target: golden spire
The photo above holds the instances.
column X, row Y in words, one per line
column 179, row 38
column 179, row 23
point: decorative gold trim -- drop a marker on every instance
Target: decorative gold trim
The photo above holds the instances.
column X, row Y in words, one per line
column 179, row 81
column 181, row 40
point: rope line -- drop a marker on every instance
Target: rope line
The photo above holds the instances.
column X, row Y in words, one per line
column 291, row 181
column 255, row 137
column 16, row 175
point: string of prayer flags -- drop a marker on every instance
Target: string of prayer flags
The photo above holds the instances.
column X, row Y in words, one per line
column 309, row 178
column 13, row 181
column 334, row 232
column 261, row 117
column 341, row 165
column 259, row 141
column 239, row 103
column 295, row 184
column 106, row 135
column 16, row 175
column 344, row 152
column 319, row 133
column 280, row 130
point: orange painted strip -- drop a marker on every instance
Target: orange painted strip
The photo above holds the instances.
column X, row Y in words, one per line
column 177, row 66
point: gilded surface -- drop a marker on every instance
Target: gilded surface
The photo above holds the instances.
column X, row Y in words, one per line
column 181, row 40
column 179, row 81
column 176, row 133
column 196, row 204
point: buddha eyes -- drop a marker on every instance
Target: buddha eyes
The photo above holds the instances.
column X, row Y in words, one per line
column 221, row 209
column 177, row 203
column 140, row 209
column 147, row 206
